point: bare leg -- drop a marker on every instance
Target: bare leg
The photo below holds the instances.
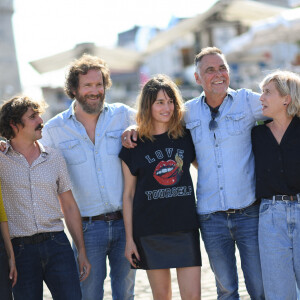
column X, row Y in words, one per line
column 160, row 282
column 189, row 281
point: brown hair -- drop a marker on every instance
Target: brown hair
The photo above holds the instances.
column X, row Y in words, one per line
column 12, row 111
column 81, row 66
column 146, row 99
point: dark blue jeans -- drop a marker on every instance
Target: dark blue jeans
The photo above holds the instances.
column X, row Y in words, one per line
column 5, row 283
column 51, row 261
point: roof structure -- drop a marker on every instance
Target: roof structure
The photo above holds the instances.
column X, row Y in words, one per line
column 118, row 59
column 246, row 11
column 124, row 60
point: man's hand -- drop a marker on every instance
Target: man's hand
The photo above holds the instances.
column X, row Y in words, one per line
column 84, row 266
column 129, row 136
column 74, row 225
column 2, row 146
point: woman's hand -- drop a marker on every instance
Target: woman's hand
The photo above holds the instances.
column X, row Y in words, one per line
column 12, row 271
column 132, row 254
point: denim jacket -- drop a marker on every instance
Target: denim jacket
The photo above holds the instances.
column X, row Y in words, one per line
column 95, row 169
column 225, row 157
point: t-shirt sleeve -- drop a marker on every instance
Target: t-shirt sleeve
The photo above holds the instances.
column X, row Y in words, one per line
column 126, row 155
column 191, row 143
column 3, row 217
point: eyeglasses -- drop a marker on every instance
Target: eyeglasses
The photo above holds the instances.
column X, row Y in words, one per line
column 213, row 125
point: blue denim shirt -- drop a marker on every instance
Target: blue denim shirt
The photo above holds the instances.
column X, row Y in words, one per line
column 95, row 169
column 225, row 157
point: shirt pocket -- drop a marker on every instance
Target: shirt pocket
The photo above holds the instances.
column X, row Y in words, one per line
column 235, row 123
column 196, row 130
column 114, row 143
column 73, row 152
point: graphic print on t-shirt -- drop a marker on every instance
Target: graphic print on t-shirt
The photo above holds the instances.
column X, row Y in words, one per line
column 165, row 172
column 168, row 172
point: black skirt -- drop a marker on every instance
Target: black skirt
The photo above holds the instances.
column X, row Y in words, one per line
column 172, row 250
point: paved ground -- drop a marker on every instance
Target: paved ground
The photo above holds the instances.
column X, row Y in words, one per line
column 143, row 290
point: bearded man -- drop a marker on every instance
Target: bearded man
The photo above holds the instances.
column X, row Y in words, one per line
column 89, row 137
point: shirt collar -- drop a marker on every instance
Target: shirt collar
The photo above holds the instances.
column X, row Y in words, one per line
column 230, row 93
column 71, row 111
column 42, row 149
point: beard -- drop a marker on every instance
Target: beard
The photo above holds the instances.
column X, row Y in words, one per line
column 91, row 108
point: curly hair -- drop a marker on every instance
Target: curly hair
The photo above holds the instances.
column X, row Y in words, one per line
column 146, row 99
column 12, row 111
column 81, row 66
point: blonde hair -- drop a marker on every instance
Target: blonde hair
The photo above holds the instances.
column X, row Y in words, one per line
column 146, row 99
column 286, row 83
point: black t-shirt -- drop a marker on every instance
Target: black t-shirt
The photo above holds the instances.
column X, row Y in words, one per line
column 164, row 199
column 277, row 166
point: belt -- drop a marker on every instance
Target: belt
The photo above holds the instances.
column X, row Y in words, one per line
column 34, row 239
column 240, row 210
column 234, row 211
column 113, row 216
column 285, row 197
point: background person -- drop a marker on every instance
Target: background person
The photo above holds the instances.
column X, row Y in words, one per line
column 276, row 146
column 158, row 200
column 8, row 271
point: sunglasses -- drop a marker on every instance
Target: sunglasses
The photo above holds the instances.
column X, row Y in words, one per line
column 213, row 125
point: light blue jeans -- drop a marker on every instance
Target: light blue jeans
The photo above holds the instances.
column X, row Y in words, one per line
column 279, row 244
column 221, row 232
column 107, row 239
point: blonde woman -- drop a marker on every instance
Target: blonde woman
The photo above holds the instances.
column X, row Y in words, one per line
column 8, row 271
column 276, row 146
column 158, row 200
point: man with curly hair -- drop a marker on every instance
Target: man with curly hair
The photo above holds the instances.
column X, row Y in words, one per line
column 37, row 193
column 89, row 136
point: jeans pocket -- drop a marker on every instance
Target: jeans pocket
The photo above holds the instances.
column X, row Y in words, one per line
column 264, row 208
column 205, row 217
column 61, row 239
column 85, row 226
column 18, row 249
column 252, row 211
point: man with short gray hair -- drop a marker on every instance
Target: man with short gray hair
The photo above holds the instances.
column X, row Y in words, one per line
column 220, row 121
